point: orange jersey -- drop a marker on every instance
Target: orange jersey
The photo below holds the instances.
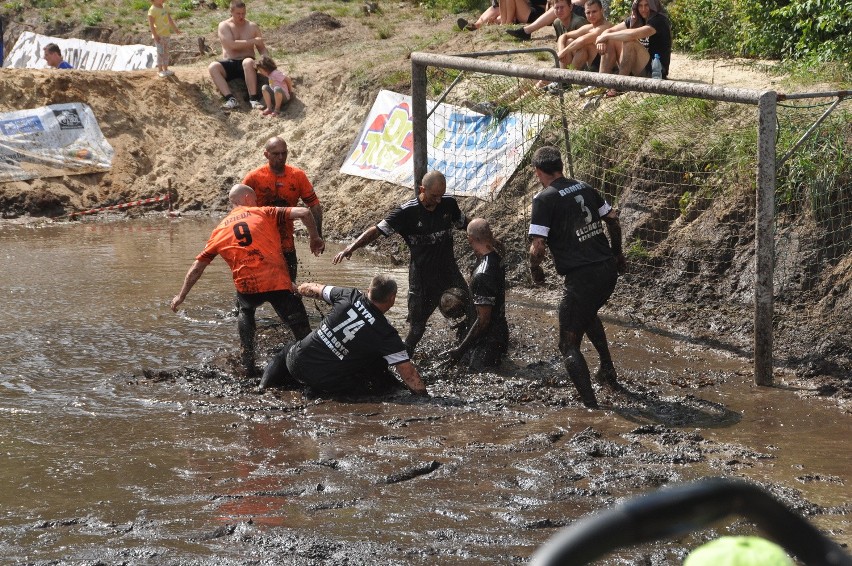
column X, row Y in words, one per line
column 282, row 190
column 248, row 240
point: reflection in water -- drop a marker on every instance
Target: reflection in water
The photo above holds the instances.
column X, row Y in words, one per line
column 96, row 460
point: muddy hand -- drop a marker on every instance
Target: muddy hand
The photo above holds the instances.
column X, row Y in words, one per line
column 317, row 246
column 341, row 255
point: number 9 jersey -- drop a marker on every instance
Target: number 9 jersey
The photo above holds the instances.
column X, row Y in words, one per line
column 249, row 241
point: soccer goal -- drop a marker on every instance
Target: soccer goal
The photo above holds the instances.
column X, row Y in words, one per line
column 692, row 168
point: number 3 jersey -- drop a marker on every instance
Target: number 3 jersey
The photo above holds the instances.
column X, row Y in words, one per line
column 248, row 240
column 355, row 335
column 568, row 214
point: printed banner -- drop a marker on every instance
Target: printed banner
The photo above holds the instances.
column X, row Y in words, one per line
column 477, row 153
column 60, row 139
column 28, row 53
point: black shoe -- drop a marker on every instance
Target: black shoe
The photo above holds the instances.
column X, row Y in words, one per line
column 464, row 25
column 519, row 33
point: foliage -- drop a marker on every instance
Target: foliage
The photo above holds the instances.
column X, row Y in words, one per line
column 94, row 17
column 816, row 30
column 457, row 6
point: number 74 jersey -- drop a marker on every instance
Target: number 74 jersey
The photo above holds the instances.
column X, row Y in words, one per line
column 249, row 241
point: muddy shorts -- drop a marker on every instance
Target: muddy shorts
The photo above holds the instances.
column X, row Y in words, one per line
column 371, row 378
column 425, row 290
column 585, row 290
column 286, row 304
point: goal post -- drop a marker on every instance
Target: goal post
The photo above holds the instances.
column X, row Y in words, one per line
column 763, row 156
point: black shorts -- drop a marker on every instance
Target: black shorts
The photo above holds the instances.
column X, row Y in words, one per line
column 586, row 289
column 535, row 13
column 373, row 377
column 287, row 305
column 233, row 69
column 425, row 290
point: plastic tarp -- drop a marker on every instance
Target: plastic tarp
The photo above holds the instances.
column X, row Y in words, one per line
column 50, row 141
column 28, row 53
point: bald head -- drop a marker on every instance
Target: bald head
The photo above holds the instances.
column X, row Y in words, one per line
column 433, row 180
column 432, row 189
column 479, row 230
column 480, row 237
column 275, row 141
column 242, row 195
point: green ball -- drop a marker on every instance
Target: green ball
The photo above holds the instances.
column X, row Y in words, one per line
column 738, row 551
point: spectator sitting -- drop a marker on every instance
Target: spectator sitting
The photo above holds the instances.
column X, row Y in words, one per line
column 633, row 43
column 576, row 49
column 490, row 16
column 240, row 39
column 549, row 18
column 521, row 11
column 279, row 90
column 53, row 56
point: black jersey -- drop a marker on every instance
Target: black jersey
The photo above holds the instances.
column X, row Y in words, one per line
column 568, row 213
column 488, row 287
column 429, row 235
column 353, row 335
column 658, row 44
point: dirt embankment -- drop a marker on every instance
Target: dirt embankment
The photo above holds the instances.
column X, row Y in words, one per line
column 172, row 133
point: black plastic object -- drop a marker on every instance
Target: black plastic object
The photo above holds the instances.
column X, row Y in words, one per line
column 679, row 510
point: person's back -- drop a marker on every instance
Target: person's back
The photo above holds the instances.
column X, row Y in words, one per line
column 354, row 336
column 572, row 211
column 248, row 240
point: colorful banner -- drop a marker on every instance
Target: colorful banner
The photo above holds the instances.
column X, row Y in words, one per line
column 61, row 139
column 28, row 53
column 477, row 153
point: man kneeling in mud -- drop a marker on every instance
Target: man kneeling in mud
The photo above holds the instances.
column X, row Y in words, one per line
column 351, row 350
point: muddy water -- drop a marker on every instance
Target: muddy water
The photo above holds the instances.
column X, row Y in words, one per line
column 126, row 438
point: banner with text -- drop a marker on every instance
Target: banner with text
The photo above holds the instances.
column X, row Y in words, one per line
column 28, row 53
column 60, row 139
column 477, row 153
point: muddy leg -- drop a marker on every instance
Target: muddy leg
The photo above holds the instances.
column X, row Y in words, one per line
column 276, row 371
column 577, row 368
column 606, row 374
column 246, row 327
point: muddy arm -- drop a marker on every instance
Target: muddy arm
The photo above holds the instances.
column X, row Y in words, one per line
column 192, row 276
column 411, row 377
column 369, row 235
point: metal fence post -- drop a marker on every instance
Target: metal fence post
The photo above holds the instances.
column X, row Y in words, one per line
column 764, row 237
column 418, row 122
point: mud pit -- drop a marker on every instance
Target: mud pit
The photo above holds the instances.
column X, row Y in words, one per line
column 490, row 466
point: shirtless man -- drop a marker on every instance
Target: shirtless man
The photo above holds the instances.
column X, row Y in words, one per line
column 240, row 38
column 577, row 49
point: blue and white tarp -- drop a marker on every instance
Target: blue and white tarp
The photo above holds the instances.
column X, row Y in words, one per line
column 28, row 53
column 50, row 141
column 477, row 153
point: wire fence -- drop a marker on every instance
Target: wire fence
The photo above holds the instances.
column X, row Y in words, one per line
column 681, row 169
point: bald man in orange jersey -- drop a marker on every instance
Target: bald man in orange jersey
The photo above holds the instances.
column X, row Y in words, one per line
column 249, row 240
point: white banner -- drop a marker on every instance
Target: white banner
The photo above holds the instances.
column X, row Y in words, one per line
column 28, row 53
column 60, row 139
column 477, row 153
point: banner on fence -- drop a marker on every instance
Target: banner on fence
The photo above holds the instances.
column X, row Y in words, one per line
column 28, row 52
column 477, row 153
column 60, row 139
